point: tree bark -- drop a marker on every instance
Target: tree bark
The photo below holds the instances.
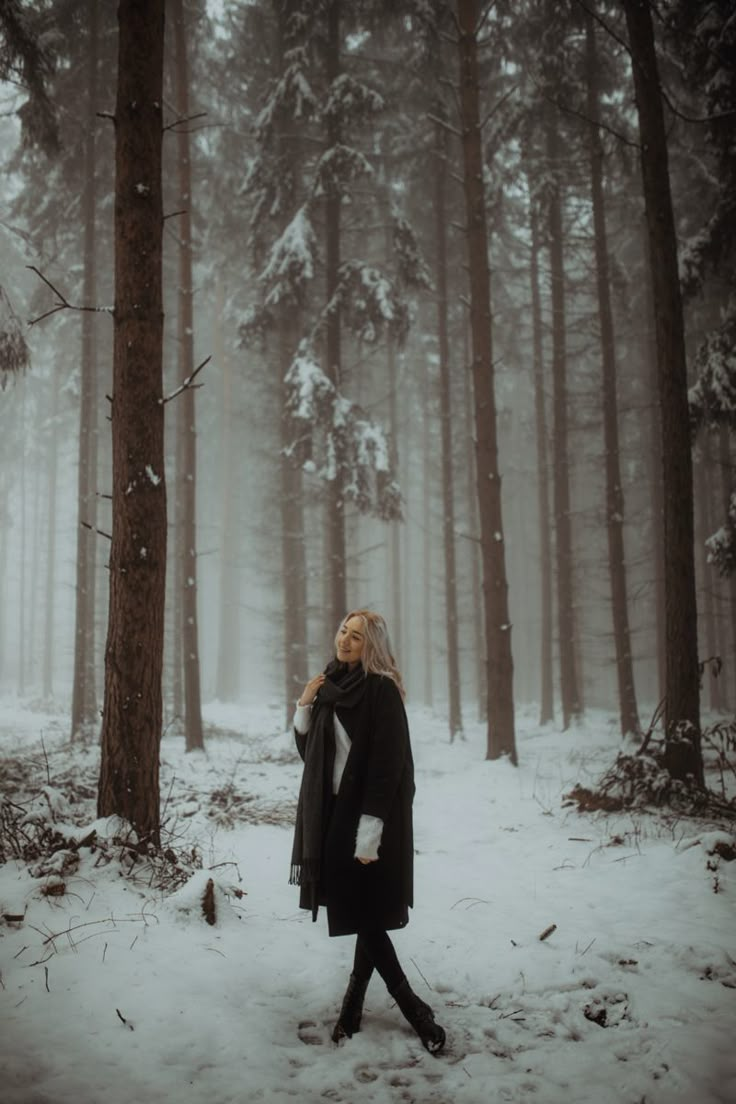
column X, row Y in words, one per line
column 546, row 707
column 682, row 697
column 131, row 728
column 707, row 575
column 628, row 711
column 448, row 491
column 336, row 588
column 569, row 693
column 227, row 686
column 84, row 690
column 501, row 738
column 187, row 422
column 52, row 464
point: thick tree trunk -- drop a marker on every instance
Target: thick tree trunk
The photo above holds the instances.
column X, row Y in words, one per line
column 84, row 691
column 654, row 463
column 546, row 708
column 22, row 610
column 448, row 490
column 187, row 423
column 501, row 738
column 628, row 711
column 727, row 487
column 131, row 728
column 569, row 694
column 476, row 558
column 336, row 586
column 682, row 698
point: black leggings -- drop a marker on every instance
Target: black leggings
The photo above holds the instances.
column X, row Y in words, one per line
column 373, row 948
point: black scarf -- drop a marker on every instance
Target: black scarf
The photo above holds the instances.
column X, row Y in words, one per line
column 344, row 688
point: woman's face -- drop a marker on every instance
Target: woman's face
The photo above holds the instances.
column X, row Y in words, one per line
column 350, row 641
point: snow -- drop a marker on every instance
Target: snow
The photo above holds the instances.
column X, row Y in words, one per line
column 155, row 479
column 137, row 997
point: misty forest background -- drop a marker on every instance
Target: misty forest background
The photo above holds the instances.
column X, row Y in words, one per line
column 424, row 349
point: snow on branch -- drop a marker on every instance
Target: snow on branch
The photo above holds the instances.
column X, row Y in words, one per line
column 351, row 101
column 338, row 168
column 291, row 94
column 290, row 265
column 333, row 438
column 62, row 301
column 713, row 397
column 369, row 303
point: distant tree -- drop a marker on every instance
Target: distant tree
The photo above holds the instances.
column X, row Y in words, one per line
column 131, row 727
column 682, row 699
column 186, row 475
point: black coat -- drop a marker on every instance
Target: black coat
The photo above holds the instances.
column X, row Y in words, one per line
column 378, row 780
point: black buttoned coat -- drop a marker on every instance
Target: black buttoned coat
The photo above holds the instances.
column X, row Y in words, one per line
column 378, row 780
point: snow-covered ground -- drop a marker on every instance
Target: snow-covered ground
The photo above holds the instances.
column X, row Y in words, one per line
column 115, row 993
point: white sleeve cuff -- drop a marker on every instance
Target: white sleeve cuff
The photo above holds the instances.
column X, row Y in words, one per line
column 302, row 716
column 368, row 838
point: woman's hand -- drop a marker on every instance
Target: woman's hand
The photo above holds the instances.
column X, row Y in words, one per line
column 309, row 693
column 365, row 861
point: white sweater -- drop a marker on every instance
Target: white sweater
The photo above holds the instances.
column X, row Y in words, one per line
column 370, row 828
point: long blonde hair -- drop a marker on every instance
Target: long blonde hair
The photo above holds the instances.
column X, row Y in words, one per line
column 377, row 658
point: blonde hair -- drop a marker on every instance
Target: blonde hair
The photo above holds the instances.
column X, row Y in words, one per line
column 377, row 658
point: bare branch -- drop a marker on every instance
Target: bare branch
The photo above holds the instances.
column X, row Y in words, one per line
column 184, row 119
column 175, row 213
column 484, row 16
column 496, row 107
column 567, row 110
column 63, row 302
column 92, row 529
column 445, row 125
column 188, row 383
column 105, row 115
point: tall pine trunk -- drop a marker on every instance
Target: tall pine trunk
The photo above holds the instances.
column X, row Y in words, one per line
column 227, row 682
column 448, row 489
column 186, row 521
column 501, row 737
column 131, row 725
column 682, row 695
column 52, row 464
column 628, row 711
column 84, row 692
column 336, row 582
column 569, row 693
column 546, row 707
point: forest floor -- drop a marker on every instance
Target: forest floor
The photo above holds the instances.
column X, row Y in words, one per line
column 115, row 990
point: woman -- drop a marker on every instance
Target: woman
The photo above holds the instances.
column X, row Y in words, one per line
column 353, row 843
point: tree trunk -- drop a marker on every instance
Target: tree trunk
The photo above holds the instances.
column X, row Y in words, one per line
column 84, row 690
column 131, row 727
column 569, row 694
column 476, row 558
column 628, row 711
column 448, row 495
column 187, row 422
column 654, row 461
column 52, row 464
column 336, row 588
column 711, row 675
column 501, row 738
column 427, row 543
column 227, row 685
column 546, row 708
column 682, row 699
column 22, row 611
column 727, row 487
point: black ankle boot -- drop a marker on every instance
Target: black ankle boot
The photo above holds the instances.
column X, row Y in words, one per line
column 420, row 1016
column 351, row 1012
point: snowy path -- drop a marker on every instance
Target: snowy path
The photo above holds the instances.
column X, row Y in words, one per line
column 213, row 1014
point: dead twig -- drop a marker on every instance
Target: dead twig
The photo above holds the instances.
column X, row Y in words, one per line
column 63, row 303
column 188, row 383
